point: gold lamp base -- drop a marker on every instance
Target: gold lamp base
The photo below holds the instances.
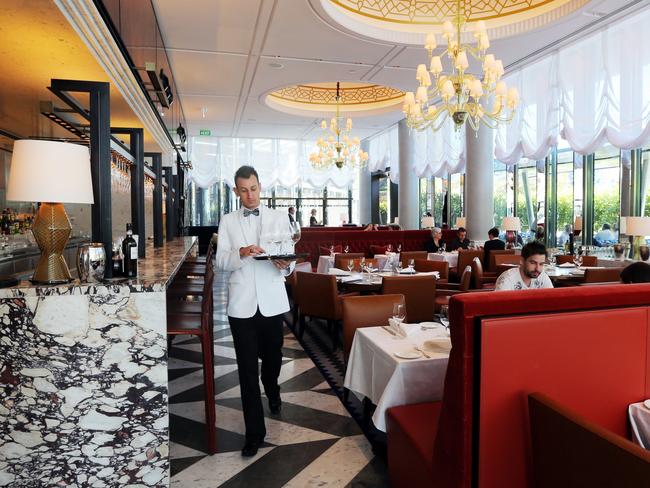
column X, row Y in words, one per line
column 51, row 229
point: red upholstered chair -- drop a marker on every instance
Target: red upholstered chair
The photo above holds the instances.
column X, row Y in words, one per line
column 506, row 345
column 570, row 450
column 195, row 318
column 586, row 260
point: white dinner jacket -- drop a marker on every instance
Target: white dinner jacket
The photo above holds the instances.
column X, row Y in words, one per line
column 252, row 283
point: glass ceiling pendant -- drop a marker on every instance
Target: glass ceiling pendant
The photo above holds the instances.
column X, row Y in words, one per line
column 336, row 147
column 462, row 96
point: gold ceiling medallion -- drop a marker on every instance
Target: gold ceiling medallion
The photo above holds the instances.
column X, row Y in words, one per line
column 321, row 95
column 430, row 12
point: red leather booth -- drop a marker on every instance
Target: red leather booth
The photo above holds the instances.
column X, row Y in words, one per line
column 360, row 241
column 587, row 348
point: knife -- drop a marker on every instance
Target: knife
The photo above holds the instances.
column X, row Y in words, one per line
column 385, row 327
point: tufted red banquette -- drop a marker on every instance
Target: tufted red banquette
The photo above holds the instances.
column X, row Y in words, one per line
column 360, row 241
column 588, row 348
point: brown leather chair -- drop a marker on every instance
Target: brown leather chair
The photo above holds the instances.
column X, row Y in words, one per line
column 426, row 266
column 318, row 297
column 602, row 275
column 479, row 278
column 365, row 311
column 406, row 256
column 465, row 258
column 492, row 266
column 502, row 262
column 570, row 450
column 341, row 259
column 444, row 292
column 292, row 283
column 419, row 292
column 586, row 260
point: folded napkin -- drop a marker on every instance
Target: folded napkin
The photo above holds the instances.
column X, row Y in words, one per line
column 566, row 265
column 402, row 329
column 407, row 271
column 339, row 272
column 349, row 279
column 429, row 273
column 440, row 346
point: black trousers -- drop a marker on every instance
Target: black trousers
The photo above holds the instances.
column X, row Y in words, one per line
column 257, row 337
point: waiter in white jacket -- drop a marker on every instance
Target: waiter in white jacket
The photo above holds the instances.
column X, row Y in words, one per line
column 257, row 298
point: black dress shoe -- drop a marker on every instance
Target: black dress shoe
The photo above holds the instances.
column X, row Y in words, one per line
column 275, row 405
column 250, row 448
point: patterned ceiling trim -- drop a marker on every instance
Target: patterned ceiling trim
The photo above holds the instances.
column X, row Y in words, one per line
column 319, row 95
column 430, row 12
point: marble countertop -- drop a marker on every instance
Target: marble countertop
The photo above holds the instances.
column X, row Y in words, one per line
column 155, row 272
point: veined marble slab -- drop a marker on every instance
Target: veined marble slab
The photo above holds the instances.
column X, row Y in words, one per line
column 83, row 380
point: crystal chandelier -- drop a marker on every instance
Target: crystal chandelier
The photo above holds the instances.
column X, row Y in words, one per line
column 336, row 147
column 462, row 96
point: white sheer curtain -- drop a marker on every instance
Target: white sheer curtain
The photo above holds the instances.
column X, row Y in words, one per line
column 383, row 152
column 277, row 161
column 439, row 153
column 596, row 90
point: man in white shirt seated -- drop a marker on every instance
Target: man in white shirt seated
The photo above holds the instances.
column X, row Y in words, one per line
column 530, row 273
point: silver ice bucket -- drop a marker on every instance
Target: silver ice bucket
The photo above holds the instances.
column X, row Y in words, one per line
column 91, row 262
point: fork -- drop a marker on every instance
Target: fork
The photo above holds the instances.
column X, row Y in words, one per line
column 422, row 351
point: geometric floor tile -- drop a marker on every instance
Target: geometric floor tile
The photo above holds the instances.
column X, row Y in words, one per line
column 313, row 441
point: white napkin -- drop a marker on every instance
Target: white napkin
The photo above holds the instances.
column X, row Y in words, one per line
column 439, row 346
column 430, row 273
column 402, row 329
column 566, row 265
column 339, row 272
column 407, row 271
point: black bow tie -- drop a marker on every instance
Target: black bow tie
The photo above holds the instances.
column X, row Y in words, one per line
column 255, row 212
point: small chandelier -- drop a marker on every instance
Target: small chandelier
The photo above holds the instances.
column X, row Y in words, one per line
column 463, row 96
column 336, row 147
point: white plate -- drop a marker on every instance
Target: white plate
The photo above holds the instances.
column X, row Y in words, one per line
column 408, row 354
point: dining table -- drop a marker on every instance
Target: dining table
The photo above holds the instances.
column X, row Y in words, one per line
column 391, row 370
column 450, row 257
column 325, row 263
column 369, row 283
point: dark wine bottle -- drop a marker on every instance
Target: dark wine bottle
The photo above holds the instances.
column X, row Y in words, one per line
column 130, row 254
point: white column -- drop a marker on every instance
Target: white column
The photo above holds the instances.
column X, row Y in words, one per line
column 408, row 203
column 365, row 194
column 479, row 182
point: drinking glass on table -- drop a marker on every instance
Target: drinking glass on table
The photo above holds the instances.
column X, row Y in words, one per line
column 294, row 227
column 577, row 260
column 389, row 248
column 332, row 250
column 444, row 316
column 552, row 259
column 399, row 248
column 362, row 262
column 351, row 265
column 399, row 312
column 411, row 263
column 346, row 249
column 399, row 266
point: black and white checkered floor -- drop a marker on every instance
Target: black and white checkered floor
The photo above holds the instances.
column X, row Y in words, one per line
column 313, row 442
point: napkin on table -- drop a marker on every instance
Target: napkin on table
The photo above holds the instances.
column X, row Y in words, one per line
column 566, row 265
column 402, row 329
column 339, row 272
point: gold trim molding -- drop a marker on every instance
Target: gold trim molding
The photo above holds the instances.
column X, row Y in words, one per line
column 321, row 95
column 432, row 12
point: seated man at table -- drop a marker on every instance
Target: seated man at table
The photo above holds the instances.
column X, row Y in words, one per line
column 493, row 243
column 436, row 242
column 529, row 274
column 638, row 272
column 460, row 242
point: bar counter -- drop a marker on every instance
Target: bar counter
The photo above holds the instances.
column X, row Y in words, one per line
column 83, row 378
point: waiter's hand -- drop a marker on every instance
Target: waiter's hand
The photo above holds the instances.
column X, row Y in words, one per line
column 281, row 263
column 250, row 251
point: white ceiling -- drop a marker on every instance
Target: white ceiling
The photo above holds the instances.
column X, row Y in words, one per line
column 221, row 54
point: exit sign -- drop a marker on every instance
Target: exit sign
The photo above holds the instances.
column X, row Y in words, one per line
column 205, row 132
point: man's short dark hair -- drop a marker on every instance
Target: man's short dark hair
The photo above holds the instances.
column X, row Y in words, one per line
column 638, row 272
column 606, row 226
column 494, row 232
column 533, row 248
column 245, row 172
column 462, row 229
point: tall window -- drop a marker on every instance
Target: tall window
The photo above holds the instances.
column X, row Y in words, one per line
column 607, row 188
column 565, row 195
column 439, row 191
column 426, row 196
column 384, row 201
column 457, row 197
column 645, row 180
column 337, row 206
column 500, row 177
column 527, row 197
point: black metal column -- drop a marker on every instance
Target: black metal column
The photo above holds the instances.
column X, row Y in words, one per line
column 169, row 204
column 137, row 184
column 99, row 119
column 157, row 199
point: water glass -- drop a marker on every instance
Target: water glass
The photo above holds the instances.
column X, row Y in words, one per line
column 351, row 265
column 295, row 232
column 399, row 312
column 346, row 249
column 399, row 248
column 332, row 250
column 444, row 316
column 411, row 263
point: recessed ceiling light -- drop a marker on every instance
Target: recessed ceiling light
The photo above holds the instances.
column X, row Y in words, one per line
column 276, row 65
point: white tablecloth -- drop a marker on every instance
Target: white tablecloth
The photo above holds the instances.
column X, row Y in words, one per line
column 327, row 262
column 640, row 421
column 375, row 372
column 450, row 257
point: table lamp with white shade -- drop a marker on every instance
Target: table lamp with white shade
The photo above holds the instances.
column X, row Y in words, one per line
column 639, row 227
column 427, row 222
column 52, row 173
column 461, row 222
column 511, row 225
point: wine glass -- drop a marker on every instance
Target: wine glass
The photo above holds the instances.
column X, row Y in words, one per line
column 332, row 250
column 411, row 264
column 346, row 249
column 278, row 241
column 389, row 248
column 399, row 266
column 399, row 248
column 552, row 259
column 362, row 262
column 350, row 265
column 444, row 316
column 577, row 260
column 399, row 312
column 296, row 232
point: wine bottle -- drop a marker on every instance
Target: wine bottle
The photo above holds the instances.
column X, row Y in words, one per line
column 130, row 253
